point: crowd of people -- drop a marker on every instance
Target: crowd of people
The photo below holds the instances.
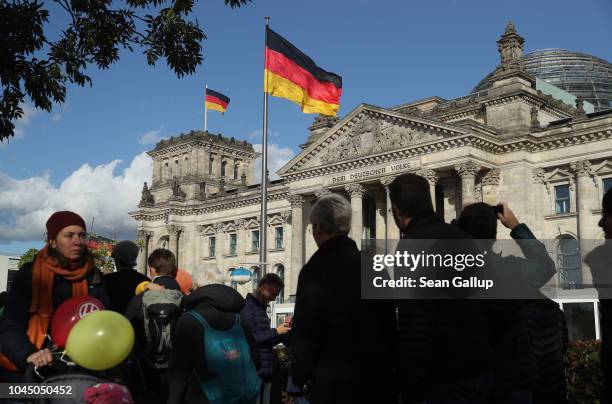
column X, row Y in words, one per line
column 211, row 345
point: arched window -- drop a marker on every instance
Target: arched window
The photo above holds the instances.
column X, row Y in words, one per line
column 236, row 167
column 280, row 271
column 568, row 262
column 223, row 168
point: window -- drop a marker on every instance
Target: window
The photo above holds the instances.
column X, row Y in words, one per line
column 580, row 319
column 568, row 262
column 212, row 241
column 236, row 171
column 210, row 164
column 255, row 240
column 232, row 244
column 280, row 271
column 562, row 199
column 278, row 237
column 223, row 168
column 607, row 184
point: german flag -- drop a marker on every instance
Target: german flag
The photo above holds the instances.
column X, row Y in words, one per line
column 291, row 74
column 216, row 101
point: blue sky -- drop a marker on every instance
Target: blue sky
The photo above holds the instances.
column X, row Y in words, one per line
column 87, row 154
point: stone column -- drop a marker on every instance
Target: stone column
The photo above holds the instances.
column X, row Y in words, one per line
column 173, row 233
column 467, row 171
column 432, row 177
column 297, row 239
column 219, row 242
column 356, row 191
column 489, row 186
column 584, row 185
column 219, row 161
column 381, row 215
column 240, row 237
column 194, row 162
column 143, row 254
column 392, row 232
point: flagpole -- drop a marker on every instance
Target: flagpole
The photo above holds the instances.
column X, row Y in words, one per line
column 205, row 111
column 263, row 245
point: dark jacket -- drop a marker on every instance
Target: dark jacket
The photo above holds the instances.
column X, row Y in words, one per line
column 600, row 262
column 14, row 323
column 136, row 316
column 120, row 287
column 327, row 349
column 440, row 341
column 218, row 304
column 146, row 383
column 254, row 312
column 514, row 361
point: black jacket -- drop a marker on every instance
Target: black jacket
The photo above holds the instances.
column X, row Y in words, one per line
column 440, row 341
column 330, row 348
column 218, row 304
column 120, row 287
column 136, row 316
column 254, row 312
column 14, row 323
column 515, row 365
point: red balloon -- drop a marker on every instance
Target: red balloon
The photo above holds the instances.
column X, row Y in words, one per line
column 68, row 313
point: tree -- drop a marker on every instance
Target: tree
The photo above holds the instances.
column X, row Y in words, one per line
column 28, row 256
column 33, row 66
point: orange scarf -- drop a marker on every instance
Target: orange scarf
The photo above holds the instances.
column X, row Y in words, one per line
column 41, row 309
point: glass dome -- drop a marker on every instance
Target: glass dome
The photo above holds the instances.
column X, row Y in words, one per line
column 580, row 74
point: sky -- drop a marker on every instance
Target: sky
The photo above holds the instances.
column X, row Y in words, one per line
column 89, row 154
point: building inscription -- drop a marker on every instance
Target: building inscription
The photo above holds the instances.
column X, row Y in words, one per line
column 396, row 167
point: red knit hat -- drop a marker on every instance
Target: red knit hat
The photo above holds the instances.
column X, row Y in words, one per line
column 62, row 219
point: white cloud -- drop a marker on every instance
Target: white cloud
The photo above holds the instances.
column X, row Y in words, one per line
column 93, row 192
column 29, row 112
column 151, row 137
column 257, row 134
column 56, row 117
column 277, row 157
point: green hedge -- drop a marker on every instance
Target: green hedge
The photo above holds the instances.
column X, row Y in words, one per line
column 583, row 371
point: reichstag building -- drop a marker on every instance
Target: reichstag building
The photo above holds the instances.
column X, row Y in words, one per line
column 536, row 132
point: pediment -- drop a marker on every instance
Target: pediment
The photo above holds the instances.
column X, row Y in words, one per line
column 207, row 230
column 275, row 220
column 229, row 227
column 367, row 131
column 558, row 174
column 252, row 224
column 605, row 167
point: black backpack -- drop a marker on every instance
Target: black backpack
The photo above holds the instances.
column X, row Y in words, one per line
column 161, row 308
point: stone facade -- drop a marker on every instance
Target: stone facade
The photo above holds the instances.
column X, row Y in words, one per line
column 511, row 143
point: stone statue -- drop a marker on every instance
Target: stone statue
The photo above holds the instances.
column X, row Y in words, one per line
column 146, row 198
column 177, row 192
column 201, row 191
column 535, row 123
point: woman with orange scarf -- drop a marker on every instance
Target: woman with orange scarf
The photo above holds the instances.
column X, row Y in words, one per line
column 62, row 269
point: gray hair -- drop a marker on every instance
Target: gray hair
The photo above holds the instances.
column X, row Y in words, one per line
column 210, row 276
column 333, row 214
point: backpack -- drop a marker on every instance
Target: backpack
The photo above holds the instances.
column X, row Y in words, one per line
column 231, row 375
column 160, row 308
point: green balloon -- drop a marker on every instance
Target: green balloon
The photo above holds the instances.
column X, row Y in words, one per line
column 100, row 340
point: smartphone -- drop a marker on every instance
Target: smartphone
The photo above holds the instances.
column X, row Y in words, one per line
column 498, row 209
